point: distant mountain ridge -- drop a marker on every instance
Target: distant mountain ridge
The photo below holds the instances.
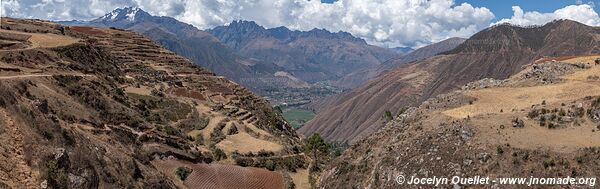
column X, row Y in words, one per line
column 359, row 77
column 195, row 44
column 496, row 52
column 313, row 56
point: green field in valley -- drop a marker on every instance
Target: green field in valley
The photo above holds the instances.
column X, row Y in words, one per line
column 297, row 117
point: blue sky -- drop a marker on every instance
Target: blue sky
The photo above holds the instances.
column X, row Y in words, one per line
column 386, row 23
column 503, row 8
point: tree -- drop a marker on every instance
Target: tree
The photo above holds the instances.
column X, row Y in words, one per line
column 316, row 146
column 183, row 172
column 388, row 115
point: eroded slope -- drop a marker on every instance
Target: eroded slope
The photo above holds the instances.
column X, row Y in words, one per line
column 105, row 108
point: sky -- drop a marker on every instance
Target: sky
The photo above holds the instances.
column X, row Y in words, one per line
column 387, row 23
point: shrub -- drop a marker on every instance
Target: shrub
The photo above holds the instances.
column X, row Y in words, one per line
column 217, row 136
column 200, row 139
column 270, row 165
column 244, row 162
column 499, row 150
column 548, row 163
column 219, row 154
column 183, row 172
column 388, row 115
column 562, row 112
column 55, row 175
column 533, row 114
column 232, row 130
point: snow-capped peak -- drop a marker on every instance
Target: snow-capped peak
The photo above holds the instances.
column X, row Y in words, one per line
column 127, row 13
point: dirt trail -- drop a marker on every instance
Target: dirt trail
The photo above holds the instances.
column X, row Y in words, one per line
column 15, row 172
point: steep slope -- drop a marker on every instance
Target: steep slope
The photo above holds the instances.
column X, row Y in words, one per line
column 105, row 108
column 314, row 56
column 496, row 52
column 540, row 123
column 359, row 77
column 199, row 46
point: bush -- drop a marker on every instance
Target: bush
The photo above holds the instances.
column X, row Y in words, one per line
column 533, row 114
column 199, row 139
column 55, row 175
column 183, row 172
column 548, row 163
column 232, row 130
column 270, row 165
column 219, row 154
column 388, row 115
column 244, row 162
column 217, row 136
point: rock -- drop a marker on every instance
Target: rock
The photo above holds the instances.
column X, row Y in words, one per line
column 467, row 162
column 456, row 186
column 483, row 157
column 466, row 135
column 44, row 184
column 518, row 123
column 76, row 181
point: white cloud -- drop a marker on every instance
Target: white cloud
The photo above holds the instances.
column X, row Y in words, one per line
column 583, row 13
column 381, row 22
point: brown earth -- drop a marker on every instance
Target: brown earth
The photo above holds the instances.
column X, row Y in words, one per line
column 497, row 52
column 473, row 132
column 214, row 176
column 92, row 109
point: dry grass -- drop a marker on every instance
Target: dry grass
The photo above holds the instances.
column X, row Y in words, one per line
column 487, row 119
column 533, row 136
column 490, row 101
column 493, row 100
column 244, row 143
column 143, row 90
column 300, row 178
column 46, row 40
column 51, row 40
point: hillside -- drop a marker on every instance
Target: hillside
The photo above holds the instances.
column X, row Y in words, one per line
column 199, row 46
column 496, row 52
column 313, row 56
column 542, row 122
column 106, row 108
column 359, row 77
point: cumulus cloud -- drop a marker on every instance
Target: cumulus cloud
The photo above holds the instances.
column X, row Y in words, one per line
column 583, row 13
column 381, row 22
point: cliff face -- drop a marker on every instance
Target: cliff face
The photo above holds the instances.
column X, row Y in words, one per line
column 496, row 52
column 90, row 107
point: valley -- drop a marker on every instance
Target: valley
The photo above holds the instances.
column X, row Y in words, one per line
column 297, row 94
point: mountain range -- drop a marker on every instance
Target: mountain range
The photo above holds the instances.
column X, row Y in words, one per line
column 496, row 52
column 359, row 77
column 252, row 55
column 197, row 45
column 313, row 56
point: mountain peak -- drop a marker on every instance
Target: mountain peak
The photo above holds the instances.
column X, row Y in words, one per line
column 245, row 25
column 124, row 14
